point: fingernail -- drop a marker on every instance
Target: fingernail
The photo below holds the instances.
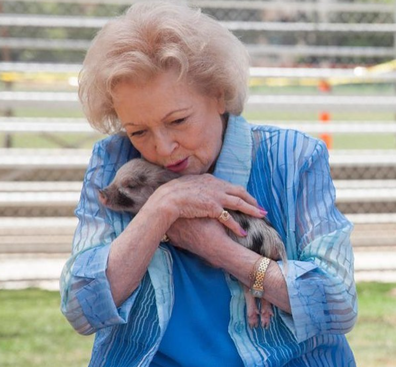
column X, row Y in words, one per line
column 243, row 232
column 263, row 212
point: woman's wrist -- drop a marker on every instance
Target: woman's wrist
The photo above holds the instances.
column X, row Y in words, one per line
column 162, row 205
column 257, row 277
column 241, row 262
column 233, row 258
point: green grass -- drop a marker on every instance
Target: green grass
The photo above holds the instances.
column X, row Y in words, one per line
column 33, row 333
column 40, row 141
column 50, row 140
column 374, row 338
column 364, row 141
column 340, row 141
column 289, row 115
column 340, row 89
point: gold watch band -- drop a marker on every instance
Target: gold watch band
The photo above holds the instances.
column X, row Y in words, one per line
column 257, row 289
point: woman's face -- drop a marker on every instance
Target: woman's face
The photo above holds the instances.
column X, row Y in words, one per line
column 170, row 124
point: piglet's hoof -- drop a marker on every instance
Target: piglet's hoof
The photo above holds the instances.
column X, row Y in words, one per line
column 266, row 313
column 253, row 318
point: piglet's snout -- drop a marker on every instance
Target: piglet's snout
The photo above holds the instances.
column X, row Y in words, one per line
column 103, row 196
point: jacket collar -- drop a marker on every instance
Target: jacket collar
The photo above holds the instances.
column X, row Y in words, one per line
column 235, row 160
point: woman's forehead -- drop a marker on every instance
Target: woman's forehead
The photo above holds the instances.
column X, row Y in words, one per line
column 137, row 107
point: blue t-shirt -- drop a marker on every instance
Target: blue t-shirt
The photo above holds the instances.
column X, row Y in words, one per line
column 198, row 326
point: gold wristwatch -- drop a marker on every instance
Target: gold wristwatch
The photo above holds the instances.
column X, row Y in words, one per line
column 257, row 289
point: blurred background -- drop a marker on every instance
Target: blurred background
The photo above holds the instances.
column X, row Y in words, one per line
column 325, row 67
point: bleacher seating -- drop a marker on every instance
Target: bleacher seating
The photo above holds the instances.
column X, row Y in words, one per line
column 39, row 188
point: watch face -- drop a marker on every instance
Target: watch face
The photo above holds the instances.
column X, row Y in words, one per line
column 257, row 293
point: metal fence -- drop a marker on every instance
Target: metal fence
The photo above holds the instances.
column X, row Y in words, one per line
column 276, row 32
column 310, row 60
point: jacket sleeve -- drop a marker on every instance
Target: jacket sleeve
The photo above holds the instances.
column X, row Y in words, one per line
column 320, row 274
column 86, row 299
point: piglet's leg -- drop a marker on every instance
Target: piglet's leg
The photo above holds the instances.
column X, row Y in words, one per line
column 252, row 311
column 265, row 313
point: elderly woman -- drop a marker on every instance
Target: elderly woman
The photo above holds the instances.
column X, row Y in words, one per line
column 168, row 84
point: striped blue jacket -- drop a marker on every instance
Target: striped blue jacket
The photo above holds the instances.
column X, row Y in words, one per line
column 288, row 173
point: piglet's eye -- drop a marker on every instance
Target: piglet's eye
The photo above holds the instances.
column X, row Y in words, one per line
column 129, row 184
column 142, row 178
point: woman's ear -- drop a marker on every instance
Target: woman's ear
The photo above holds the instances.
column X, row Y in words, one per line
column 220, row 103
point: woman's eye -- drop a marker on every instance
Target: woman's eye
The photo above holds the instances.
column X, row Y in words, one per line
column 179, row 121
column 138, row 133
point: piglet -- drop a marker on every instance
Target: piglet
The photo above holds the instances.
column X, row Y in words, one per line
column 136, row 180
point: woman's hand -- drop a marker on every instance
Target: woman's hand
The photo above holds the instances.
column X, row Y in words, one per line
column 198, row 236
column 205, row 196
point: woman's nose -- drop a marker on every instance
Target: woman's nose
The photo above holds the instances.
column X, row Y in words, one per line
column 165, row 145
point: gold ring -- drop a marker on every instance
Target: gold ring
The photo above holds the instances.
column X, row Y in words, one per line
column 224, row 216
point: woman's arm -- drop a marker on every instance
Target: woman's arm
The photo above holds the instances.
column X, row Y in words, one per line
column 83, row 280
column 208, row 239
column 132, row 251
column 320, row 279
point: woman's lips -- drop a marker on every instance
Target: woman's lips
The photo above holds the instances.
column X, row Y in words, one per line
column 178, row 166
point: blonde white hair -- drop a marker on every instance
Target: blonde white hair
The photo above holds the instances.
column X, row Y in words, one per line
column 153, row 37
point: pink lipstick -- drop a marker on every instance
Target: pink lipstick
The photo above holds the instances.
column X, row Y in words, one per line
column 178, row 166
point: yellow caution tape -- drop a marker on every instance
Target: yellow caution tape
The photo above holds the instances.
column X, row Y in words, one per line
column 18, row 77
column 386, row 67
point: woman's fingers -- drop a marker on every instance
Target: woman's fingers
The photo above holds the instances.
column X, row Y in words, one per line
column 238, row 204
column 199, row 196
column 240, row 192
column 228, row 221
